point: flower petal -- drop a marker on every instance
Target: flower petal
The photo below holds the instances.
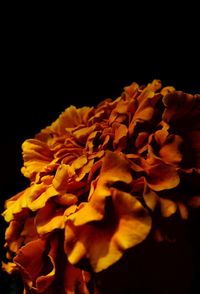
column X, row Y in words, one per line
column 49, row 218
column 134, row 221
column 125, row 224
column 168, row 207
column 21, row 201
column 121, row 132
column 74, row 279
column 45, row 280
column 71, row 118
column 30, row 261
column 170, row 152
column 161, row 176
column 36, row 155
column 40, row 201
column 181, row 106
column 114, row 169
column 194, row 201
column 61, row 179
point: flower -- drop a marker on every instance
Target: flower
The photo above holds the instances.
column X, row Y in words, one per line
column 102, row 180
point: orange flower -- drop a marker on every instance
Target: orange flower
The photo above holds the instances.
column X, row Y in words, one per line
column 102, row 180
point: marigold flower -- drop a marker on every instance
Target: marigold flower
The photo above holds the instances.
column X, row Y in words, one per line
column 102, row 180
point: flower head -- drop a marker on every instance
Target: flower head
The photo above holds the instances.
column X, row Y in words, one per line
column 102, row 180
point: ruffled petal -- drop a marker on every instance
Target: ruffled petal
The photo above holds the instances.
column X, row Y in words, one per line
column 49, row 218
column 30, row 260
column 71, row 118
column 20, row 201
column 76, row 279
column 180, row 105
column 161, row 176
column 125, row 224
column 36, row 156
column 170, row 152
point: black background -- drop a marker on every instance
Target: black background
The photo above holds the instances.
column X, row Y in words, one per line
column 51, row 61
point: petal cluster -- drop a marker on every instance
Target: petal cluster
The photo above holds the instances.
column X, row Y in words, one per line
column 102, row 180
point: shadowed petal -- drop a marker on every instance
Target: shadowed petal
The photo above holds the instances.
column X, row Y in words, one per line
column 125, row 224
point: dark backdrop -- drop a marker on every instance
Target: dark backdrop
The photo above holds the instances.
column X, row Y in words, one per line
column 47, row 68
